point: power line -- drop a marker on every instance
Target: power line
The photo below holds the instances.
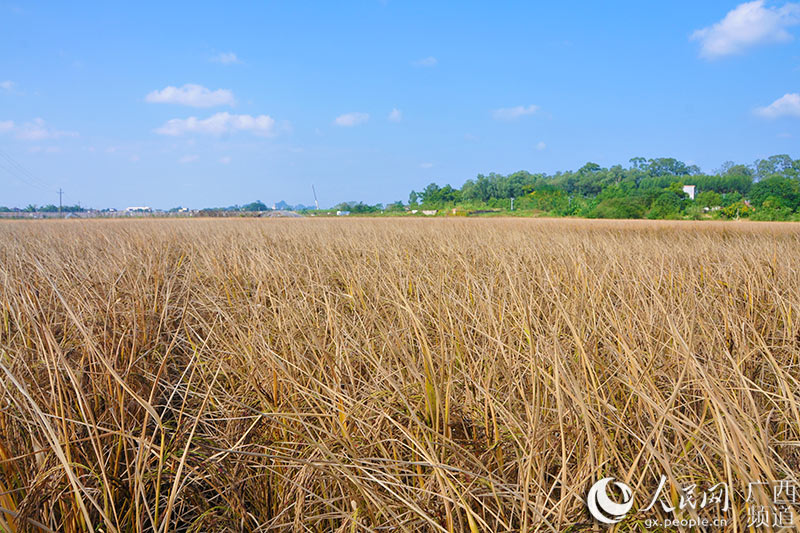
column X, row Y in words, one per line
column 22, row 174
column 18, row 167
column 14, row 173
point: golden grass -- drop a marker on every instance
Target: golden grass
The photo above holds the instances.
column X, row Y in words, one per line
column 363, row 375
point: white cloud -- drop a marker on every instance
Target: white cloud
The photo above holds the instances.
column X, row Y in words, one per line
column 511, row 113
column 226, row 58
column 748, row 24
column 219, row 124
column 35, row 130
column 396, row 115
column 7, row 85
column 192, row 95
column 351, row 119
column 187, row 159
column 787, row 105
column 425, row 165
column 225, row 160
column 134, row 158
column 429, row 61
column 541, row 146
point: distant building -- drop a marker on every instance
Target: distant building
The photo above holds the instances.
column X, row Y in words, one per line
column 689, row 189
column 342, row 213
column 143, row 209
column 429, row 212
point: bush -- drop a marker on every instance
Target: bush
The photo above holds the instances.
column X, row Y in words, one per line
column 616, row 208
column 737, row 210
column 666, row 205
column 694, row 212
column 772, row 213
column 708, row 199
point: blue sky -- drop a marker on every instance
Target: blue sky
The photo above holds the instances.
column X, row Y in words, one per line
column 208, row 104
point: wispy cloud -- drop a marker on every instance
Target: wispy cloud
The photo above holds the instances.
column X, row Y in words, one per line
column 429, row 61
column 351, row 119
column 787, row 105
column 224, row 160
column 219, row 124
column 747, row 25
column 188, row 159
column 512, row 113
column 541, row 146
column 191, row 95
column 426, row 165
column 7, row 85
column 226, row 58
column 35, row 130
column 395, row 115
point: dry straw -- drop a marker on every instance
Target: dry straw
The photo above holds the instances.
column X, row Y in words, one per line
column 366, row 375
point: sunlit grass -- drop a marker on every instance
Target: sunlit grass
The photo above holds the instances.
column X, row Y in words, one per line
column 353, row 375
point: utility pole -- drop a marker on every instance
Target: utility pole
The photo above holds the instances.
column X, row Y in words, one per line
column 60, row 192
column 316, row 203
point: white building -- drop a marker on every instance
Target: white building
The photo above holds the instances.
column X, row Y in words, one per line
column 141, row 209
column 689, row 189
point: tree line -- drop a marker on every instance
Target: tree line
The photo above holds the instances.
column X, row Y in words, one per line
column 768, row 189
column 50, row 208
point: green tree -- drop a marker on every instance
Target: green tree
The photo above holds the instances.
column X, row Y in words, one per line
column 708, row 199
column 638, row 163
column 781, row 165
column 258, row 205
column 395, row 207
column 668, row 204
column 668, row 166
column 784, row 191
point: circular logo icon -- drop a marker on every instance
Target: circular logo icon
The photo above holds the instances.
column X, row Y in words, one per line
column 602, row 507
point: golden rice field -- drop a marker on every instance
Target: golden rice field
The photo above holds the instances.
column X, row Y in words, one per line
column 390, row 374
